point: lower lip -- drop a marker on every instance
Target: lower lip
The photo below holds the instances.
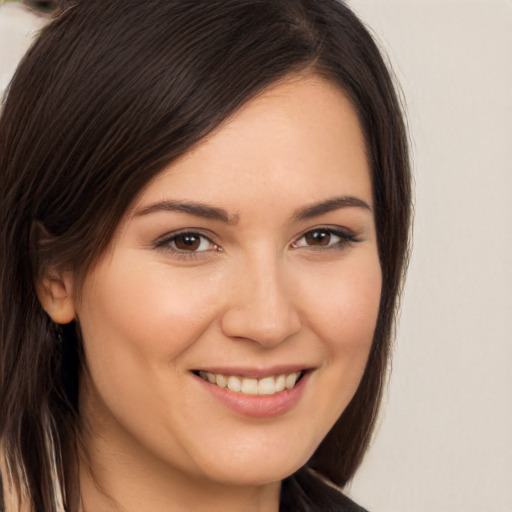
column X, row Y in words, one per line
column 258, row 406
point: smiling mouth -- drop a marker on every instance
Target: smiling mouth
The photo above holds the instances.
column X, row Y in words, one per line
column 249, row 386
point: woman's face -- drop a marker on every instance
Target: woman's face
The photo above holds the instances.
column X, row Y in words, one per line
column 250, row 263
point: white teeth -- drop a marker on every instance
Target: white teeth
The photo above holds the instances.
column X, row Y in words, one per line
column 291, row 380
column 234, row 383
column 267, row 386
column 250, row 386
column 220, row 380
column 280, row 383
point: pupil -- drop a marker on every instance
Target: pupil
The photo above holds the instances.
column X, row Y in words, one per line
column 187, row 242
column 318, row 238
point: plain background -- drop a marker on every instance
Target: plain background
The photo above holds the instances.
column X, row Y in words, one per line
column 445, row 439
column 444, row 442
column 17, row 27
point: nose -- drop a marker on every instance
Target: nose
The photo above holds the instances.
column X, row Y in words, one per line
column 261, row 306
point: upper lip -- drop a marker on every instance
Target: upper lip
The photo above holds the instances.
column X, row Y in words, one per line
column 255, row 372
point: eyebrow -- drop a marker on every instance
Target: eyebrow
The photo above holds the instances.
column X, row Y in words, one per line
column 192, row 208
column 329, row 205
column 211, row 212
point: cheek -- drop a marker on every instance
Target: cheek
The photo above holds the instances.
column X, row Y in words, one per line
column 347, row 302
column 138, row 321
column 151, row 312
column 347, row 307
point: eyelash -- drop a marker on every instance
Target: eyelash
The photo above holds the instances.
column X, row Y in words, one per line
column 345, row 238
column 167, row 242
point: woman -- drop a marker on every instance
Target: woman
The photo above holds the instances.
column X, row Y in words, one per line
column 204, row 221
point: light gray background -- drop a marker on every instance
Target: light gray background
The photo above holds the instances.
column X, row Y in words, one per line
column 444, row 443
column 17, row 28
column 445, row 440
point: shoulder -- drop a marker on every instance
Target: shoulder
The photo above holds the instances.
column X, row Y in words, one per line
column 306, row 492
column 347, row 505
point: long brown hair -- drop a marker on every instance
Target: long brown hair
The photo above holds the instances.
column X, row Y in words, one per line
column 108, row 96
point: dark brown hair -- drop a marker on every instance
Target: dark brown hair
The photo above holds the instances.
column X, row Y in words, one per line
column 108, row 96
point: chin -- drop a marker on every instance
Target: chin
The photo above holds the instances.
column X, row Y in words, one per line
column 254, row 474
column 268, row 463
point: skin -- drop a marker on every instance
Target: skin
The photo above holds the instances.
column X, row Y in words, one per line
column 253, row 292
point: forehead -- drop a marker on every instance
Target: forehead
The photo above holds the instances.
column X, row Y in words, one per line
column 301, row 136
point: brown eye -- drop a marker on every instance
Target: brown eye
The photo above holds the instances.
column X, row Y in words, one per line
column 187, row 242
column 318, row 237
column 325, row 238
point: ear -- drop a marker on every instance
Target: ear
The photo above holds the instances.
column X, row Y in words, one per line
column 55, row 293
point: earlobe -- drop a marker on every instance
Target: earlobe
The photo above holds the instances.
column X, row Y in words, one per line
column 55, row 293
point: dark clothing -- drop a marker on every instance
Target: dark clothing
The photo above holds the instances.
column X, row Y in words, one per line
column 306, row 492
